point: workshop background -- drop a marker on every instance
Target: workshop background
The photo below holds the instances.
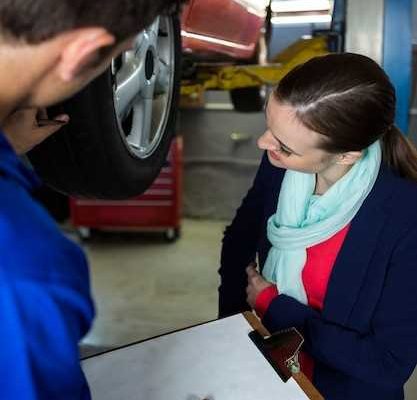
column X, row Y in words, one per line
column 162, row 275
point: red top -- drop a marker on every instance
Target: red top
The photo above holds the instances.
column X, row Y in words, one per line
column 316, row 275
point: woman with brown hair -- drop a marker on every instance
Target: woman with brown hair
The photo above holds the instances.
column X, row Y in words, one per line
column 332, row 218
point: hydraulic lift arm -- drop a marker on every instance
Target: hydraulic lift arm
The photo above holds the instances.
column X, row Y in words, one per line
column 234, row 77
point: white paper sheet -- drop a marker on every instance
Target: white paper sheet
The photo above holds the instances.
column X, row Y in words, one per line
column 215, row 361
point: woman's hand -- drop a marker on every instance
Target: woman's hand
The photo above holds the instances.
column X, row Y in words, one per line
column 256, row 284
column 28, row 127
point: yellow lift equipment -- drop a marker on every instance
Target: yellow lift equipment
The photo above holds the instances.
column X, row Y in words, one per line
column 240, row 76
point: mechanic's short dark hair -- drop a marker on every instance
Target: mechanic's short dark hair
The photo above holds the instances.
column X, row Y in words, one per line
column 37, row 20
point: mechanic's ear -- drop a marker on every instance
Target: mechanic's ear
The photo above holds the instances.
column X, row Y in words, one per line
column 82, row 50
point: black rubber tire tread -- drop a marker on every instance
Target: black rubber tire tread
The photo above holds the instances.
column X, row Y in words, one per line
column 88, row 157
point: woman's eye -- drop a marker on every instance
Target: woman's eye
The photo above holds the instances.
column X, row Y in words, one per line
column 285, row 151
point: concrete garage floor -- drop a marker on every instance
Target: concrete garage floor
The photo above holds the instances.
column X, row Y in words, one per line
column 144, row 287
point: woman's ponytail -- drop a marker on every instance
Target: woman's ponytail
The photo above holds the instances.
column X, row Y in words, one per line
column 399, row 153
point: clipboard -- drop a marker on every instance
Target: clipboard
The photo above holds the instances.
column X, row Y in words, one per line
column 214, row 360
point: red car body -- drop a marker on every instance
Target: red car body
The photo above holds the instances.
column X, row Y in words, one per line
column 223, row 27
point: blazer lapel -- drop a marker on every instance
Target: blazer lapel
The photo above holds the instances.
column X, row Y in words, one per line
column 355, row 255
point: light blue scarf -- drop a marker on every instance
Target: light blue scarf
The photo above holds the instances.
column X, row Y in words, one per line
column 303, row 219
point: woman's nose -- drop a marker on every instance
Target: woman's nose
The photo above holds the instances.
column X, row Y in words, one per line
column 264, row 143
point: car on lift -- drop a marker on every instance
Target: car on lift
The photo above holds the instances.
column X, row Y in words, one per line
column 122, row 123
column 236, row 33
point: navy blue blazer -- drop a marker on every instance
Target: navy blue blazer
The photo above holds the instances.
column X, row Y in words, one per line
column 364, row 342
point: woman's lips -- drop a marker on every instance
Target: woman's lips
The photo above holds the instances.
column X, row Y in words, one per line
column 274, row 156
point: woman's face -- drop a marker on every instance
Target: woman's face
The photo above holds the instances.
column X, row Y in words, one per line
column 290, row 144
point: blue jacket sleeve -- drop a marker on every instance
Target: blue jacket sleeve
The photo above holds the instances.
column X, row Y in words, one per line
column 386, row 354
column 240, row 245
column 44, row 364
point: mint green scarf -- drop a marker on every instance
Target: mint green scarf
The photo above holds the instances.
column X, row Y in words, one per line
column 303, row 219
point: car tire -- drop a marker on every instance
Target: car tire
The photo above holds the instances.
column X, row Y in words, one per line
column 121, row 124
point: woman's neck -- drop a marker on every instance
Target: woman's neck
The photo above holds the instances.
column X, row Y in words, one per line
column 325, row 179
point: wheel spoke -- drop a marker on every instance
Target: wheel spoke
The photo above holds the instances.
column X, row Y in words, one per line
column 153, row 32
column 129, row 82
column 163, row 80
column 148, row 90
column 140, row 136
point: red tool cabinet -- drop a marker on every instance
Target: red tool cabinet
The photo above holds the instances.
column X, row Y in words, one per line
column 159, row 208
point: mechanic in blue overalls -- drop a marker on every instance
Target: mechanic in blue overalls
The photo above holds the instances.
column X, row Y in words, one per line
column 49, row 50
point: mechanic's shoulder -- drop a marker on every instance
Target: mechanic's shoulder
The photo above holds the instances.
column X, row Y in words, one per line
column 32, row 244
column 21, row 217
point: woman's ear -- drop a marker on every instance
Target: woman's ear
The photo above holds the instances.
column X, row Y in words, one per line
column 349, row 158
column 82, row 50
